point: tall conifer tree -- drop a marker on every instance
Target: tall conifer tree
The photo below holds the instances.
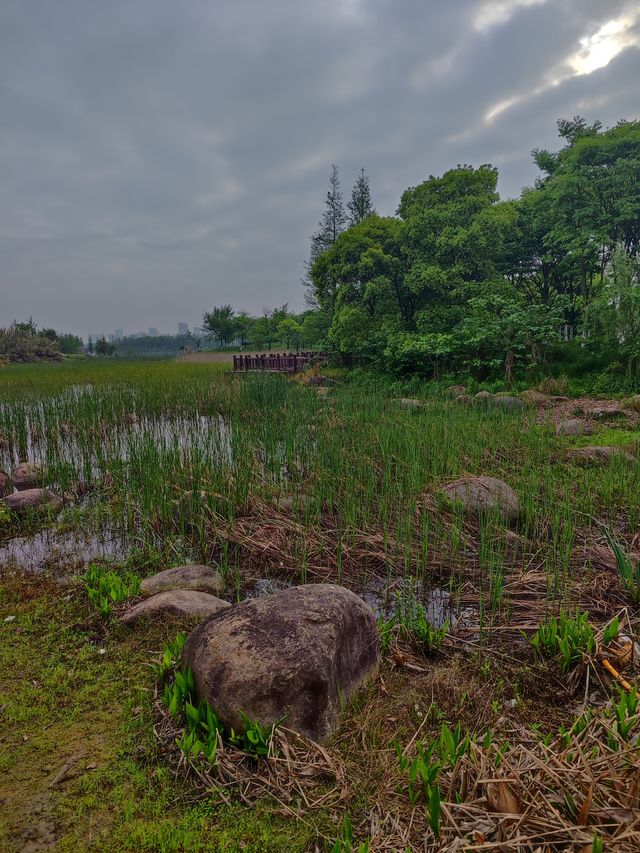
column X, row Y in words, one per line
column 361, row 204
column 332, row 224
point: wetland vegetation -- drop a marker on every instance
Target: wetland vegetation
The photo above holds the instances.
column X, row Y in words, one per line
column 492, row 720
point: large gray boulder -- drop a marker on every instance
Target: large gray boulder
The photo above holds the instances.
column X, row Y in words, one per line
column 27, row 475
column 483, row 494
column 34, row 500
column 202, row 578
column 297, row 654
column 181, row 604
column 573, row 426
column 6, row 485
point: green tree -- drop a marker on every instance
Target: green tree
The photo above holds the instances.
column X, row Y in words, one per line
column 290, row 332
column 104, row 347
column 244, row 324
column 455, row 232
column 592, row 187
column 360, row 205
column 220, row 323
column 264, row 330
column 332, row 224
column 69, row 344
column 501, row 332
column 363, row 275
column 614, row 316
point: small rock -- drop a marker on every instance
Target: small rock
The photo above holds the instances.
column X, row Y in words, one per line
column 484, row 397
column 464, row 400
column 606, row 413
column 203, row 578
column 456, row 390
column 27, row 475
column 535, row 398
column 598, row 455
column 298, row 655
column 573, row 426
column 483, row 494
column 183, row 604
column 409, row 403
column 6, row 484
column 509, row 404
column 37, row 500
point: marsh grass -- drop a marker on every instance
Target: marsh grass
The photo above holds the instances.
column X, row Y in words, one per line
column 263, row 478
column 182, row 457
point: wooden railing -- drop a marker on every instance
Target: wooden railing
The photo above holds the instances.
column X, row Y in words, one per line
column 276, row 362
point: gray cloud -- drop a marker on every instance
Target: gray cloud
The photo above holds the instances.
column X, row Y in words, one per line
column 158, row 158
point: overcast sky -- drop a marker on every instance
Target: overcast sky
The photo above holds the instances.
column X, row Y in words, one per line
column 160, row 157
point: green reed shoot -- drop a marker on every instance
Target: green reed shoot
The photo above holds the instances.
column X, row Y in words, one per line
column 106, row 588
column 568, row 637
column 628, row 570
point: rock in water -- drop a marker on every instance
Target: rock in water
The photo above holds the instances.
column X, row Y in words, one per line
column 573, row 426
column 177, row 603
column 36, row 500
column 483, row 494
column 202, row 578
column 6, row 485
column 295, row 655
column 27, row 475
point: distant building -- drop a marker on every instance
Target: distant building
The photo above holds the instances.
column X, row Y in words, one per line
column 183, row 329
column 153, row 333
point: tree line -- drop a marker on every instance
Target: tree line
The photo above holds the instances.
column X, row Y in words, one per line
column 459, row 281
column 274, row 327
column 25, row 342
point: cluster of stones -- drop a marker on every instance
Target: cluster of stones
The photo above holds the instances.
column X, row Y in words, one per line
column 498, row 401
column 24, row 490
column 293, row 656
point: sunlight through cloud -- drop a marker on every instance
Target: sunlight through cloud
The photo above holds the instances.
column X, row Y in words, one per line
column 598, row 50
